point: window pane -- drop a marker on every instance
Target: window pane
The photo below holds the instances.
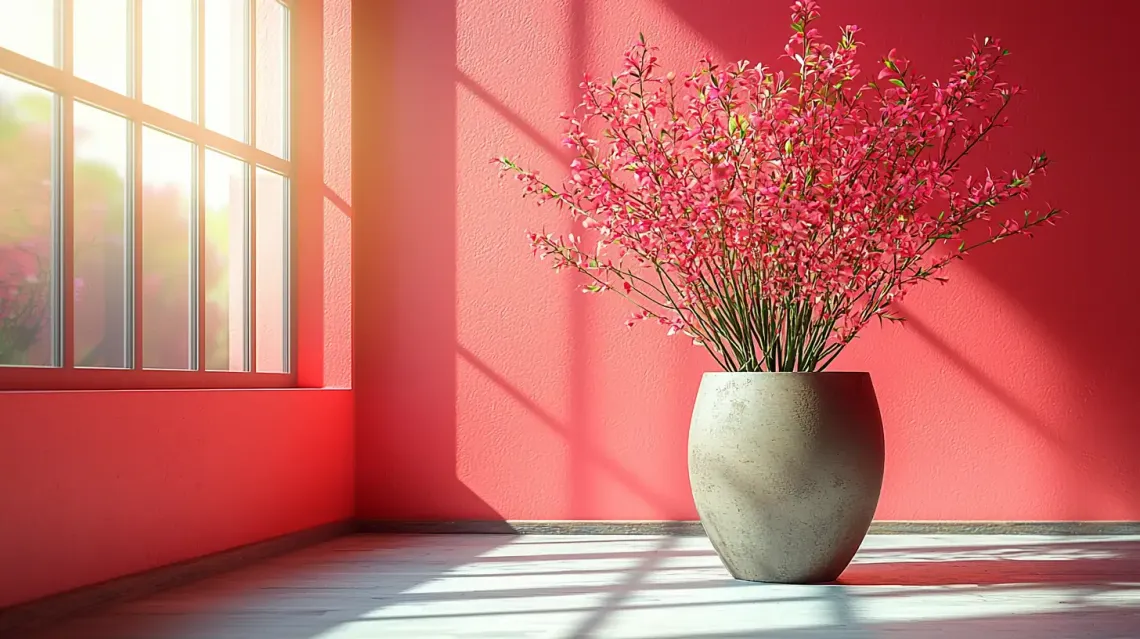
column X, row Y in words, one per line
column 168, row 55
column 272, row 272
column 28, row 313
column 102, row 290
column 227, row 201
column 28, row 28
column 227, row 66
column 101, row 37
column 168, row 170
column 272, row 84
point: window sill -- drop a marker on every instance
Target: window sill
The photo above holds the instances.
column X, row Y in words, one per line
column 55, row 379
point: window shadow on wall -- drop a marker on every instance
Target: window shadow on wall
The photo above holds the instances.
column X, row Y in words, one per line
column 595, row 470
column 404, row 263
column 1074, row 282
column 591, row 458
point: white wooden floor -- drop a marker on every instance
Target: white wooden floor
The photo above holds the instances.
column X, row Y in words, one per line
column 499, row 587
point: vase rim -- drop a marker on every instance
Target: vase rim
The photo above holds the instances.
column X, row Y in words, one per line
column 791, row 373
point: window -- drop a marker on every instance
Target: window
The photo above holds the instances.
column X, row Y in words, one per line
column 145, row 194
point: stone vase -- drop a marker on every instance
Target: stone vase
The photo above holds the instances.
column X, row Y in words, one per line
column 786, row 470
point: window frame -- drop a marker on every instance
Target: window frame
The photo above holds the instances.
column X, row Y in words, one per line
column 67, row 89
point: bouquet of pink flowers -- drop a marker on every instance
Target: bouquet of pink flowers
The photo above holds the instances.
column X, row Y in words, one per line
column 770, row 215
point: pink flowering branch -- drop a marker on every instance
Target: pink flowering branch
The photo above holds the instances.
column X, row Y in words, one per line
column 768, row 215
column 25, row 284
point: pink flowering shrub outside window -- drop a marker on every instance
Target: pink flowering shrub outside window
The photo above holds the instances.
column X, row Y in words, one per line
column 25, row 303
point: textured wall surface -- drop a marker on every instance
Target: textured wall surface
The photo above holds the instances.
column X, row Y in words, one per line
column 488, row 387
column 103, row 484
column 96, row 485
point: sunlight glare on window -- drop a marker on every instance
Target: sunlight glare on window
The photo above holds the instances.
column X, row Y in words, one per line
column 272, row 83
column 227, row 76
column 28, row 28
column 101, row 286
column 272, row 272
column 227, row 205
column 168, row 172
column 168, row 56
column 101, row 37
column 28, row 312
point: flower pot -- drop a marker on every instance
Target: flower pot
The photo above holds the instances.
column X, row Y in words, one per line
column 786, row 470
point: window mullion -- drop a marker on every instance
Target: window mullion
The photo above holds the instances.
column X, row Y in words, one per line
column 65, row 194
column 199, row 263
column 290, row 287
column 251, row 213
column 65, row 262
column 137, row 188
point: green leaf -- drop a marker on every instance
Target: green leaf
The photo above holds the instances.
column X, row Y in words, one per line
column 898, row 83
column 737, row 124
column 798, row 27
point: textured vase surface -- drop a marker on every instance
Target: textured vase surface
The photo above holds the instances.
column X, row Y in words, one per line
column 786, row 470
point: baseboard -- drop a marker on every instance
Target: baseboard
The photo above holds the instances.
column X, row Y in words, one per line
column 27, row 616
column 543, row 527
column 1064, row 528
column 693, row 528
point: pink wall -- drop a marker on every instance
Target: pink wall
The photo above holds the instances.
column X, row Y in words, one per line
column 102, row 484
column 488, row 387
column 96, row 485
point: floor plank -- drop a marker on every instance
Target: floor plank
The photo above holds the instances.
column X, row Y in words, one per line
column 502, row 587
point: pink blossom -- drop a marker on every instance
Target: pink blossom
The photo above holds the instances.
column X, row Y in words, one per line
column 770, row 214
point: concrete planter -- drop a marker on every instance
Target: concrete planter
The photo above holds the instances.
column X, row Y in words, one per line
column 786, row 470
